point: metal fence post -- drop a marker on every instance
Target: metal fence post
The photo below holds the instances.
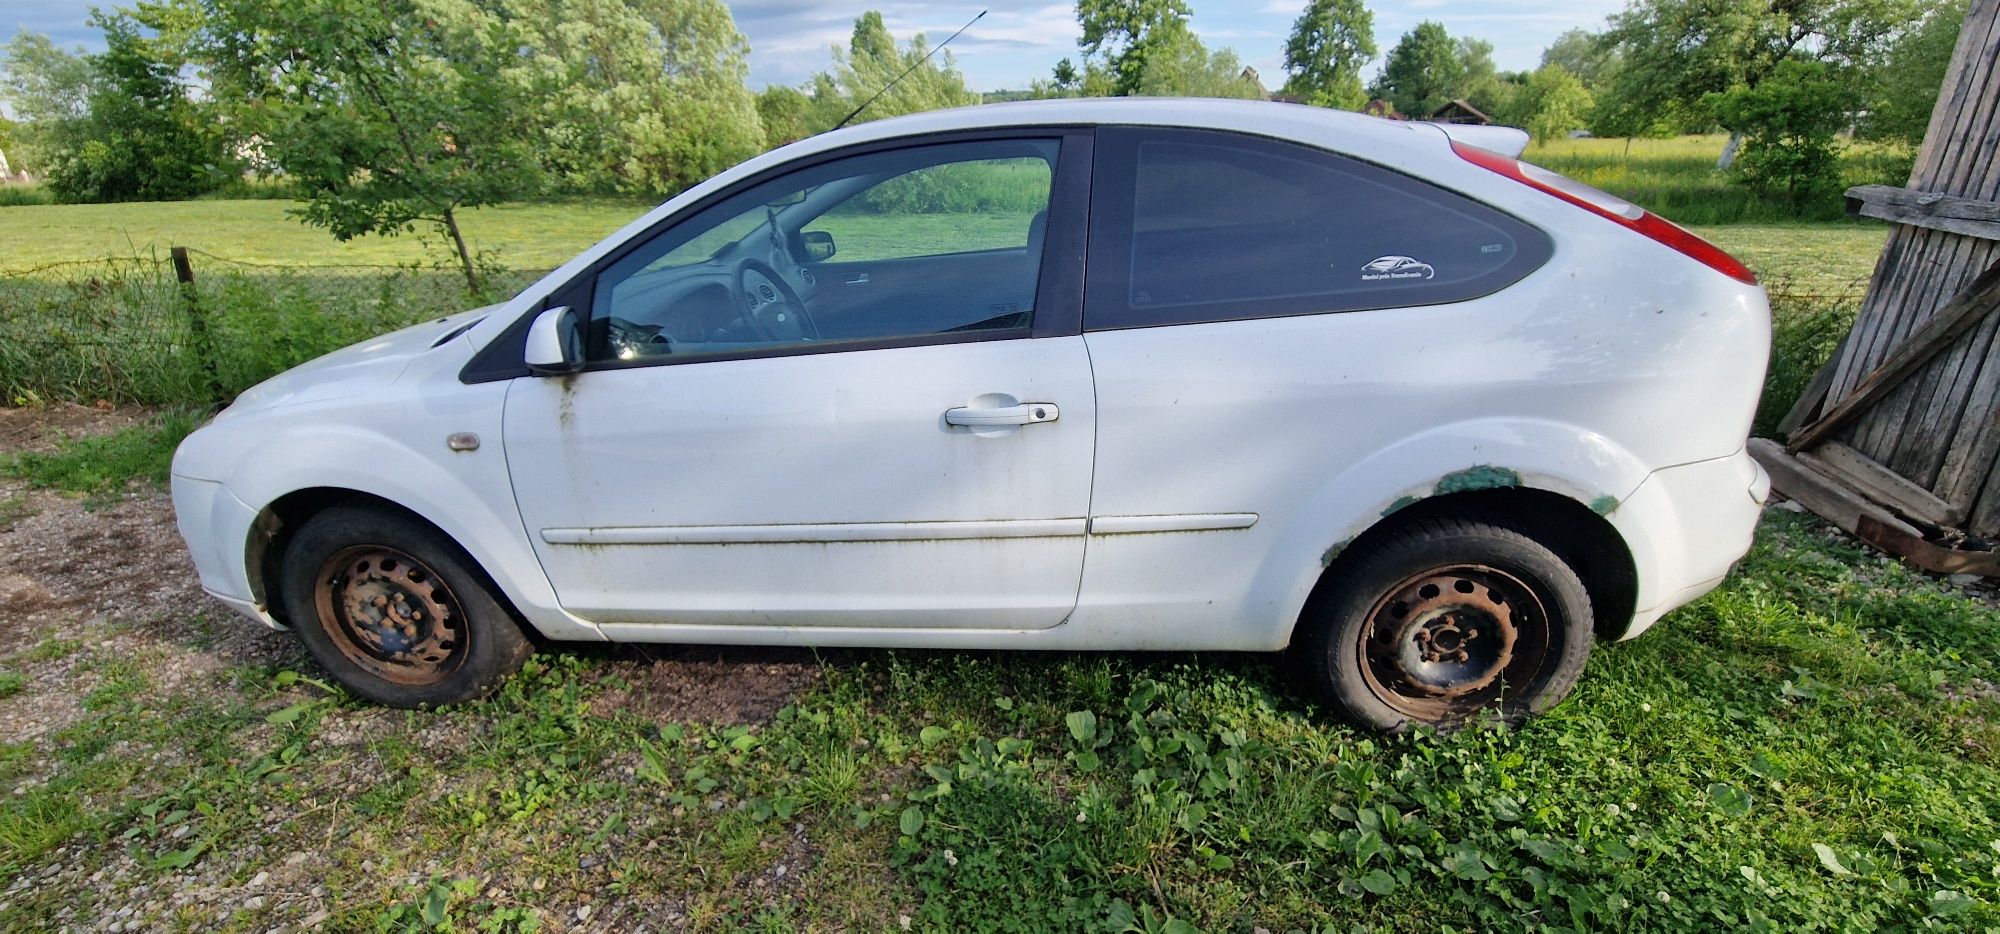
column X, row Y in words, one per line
column 204, row 344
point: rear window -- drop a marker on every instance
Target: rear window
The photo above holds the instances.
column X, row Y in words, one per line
column 1206, row 226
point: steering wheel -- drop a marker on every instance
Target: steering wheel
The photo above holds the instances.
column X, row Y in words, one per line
column 772, row 308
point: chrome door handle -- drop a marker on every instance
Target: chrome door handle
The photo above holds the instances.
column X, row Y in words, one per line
column 859, row 278
column 1027, row 413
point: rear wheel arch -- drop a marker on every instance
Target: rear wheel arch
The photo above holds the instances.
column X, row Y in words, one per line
column 1576, row 532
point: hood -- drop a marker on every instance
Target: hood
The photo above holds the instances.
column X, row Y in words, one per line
column 355, row 369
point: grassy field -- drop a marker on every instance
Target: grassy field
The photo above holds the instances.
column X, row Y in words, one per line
column 523, row 236
column 1676, row 177
column 1814, row 746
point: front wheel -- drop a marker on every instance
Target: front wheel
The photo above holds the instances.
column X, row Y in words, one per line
column 1444, row 620
column 396, row 611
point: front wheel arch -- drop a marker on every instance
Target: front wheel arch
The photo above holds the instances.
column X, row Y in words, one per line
column 271, row 533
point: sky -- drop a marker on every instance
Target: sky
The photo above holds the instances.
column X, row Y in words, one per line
column 1017, row 43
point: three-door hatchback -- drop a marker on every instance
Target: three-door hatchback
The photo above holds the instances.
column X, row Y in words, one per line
column 1097, row 374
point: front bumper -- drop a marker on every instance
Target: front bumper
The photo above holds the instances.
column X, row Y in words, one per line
column 1689, row 525
column 216, row 526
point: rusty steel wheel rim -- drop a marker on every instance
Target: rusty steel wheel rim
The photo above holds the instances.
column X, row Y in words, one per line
column 1444, row 643
column 391, row 615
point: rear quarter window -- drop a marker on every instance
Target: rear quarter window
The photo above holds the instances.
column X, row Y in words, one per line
column 1194, row 226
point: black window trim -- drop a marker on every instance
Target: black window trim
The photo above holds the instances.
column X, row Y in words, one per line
column 1110, row 240
column 1059, row 290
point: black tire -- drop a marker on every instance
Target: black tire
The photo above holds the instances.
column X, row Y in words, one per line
column 1394, row 638
column 396, row 611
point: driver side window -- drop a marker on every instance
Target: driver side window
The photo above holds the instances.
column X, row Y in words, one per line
column 940, row 240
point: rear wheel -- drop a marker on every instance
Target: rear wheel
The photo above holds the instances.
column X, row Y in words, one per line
column 396, row 611
column 1445, row 620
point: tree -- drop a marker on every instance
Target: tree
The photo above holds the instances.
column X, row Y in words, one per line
column 1584, row 54
column 1330, row 42
column 1909, row 84
column 641, row 96
column 1186, row 68
column 1483, row 85
column 121, row 125
column 1677, row 55
column 1550, row 104
column 783, row 111
column 867, row 67
column 1423, row 71
column 1789, row 121
column 1125, row 34
column 386, row 113
column 49, row 90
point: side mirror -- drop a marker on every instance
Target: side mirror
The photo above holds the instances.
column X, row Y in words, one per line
column 818, row 244
column 555, row 343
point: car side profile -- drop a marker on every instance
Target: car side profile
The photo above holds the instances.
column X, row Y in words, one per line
column 1092, row 374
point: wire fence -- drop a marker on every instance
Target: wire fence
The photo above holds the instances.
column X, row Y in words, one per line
column 192, row 327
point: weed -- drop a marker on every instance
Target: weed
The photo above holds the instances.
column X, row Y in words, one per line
column 52, row 648
column 12, row 510
column 11, row 683
column 103, row 464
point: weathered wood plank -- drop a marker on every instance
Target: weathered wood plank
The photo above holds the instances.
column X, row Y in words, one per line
column 1977, row 440
column 1809, row 402
column 1934, row 210
column 1816, row 491
column 1881, row 485
column 1937, row 413
column 1958, row 316
column 1911, row 427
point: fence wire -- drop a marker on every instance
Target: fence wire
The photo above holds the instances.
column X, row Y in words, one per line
column 125, row 329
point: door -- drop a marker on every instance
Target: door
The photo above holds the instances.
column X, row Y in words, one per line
column 783, row 424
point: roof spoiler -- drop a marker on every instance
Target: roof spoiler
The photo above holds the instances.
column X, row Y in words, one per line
column 1504, row 140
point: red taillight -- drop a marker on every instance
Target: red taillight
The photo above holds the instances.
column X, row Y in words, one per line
column 1610, row 207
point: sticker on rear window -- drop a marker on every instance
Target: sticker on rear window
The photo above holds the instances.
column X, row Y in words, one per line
column 1396, row 267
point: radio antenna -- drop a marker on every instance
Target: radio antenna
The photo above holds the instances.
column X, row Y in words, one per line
column 906, row 72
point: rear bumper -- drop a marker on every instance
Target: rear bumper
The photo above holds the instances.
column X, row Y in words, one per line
column 1687, row 526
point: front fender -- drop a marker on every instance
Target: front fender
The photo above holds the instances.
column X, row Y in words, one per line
column 1559, row 458
column 466, row 494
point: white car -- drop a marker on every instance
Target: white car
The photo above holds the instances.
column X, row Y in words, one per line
column 1095, row 374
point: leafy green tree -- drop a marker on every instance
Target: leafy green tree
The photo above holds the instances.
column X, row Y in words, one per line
column 1789, row 121
column 869, row 63
column 1423, row 71
column 49, row 90
column 387, row 114
column 1186, row 68
column 1909, row 84
column 1551, row 103
column 1678, row 55
column 120, row 125
column 1125, row 34
column 1483, row 85
column 1584, row 54
column 1329, row 43
column 783, row 111
column 640, row 96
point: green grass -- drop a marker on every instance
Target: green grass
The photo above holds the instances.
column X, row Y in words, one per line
column 98, row 465
column 1677, row 178
column 1806, row 749
column 1830, row 259
column 521, row 236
